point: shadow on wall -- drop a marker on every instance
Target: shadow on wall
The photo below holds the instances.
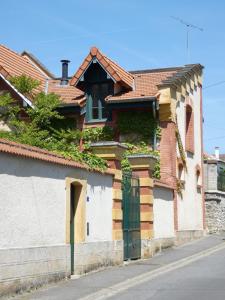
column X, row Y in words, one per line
column 25, row 167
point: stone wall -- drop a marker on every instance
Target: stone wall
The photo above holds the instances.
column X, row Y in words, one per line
column 215, row 211
column 92, row 256
column 25, row 268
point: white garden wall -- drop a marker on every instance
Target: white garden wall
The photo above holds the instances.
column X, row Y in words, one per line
column 163, row 210
column 33, row 247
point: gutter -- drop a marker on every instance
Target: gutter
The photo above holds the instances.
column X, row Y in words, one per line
column 130, row 100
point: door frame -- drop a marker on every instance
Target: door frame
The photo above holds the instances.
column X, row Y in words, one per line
column 80, row 186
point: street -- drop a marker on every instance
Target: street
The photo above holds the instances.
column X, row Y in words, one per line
column 192, row 271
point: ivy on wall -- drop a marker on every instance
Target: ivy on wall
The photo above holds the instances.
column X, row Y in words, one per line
column 141, row 124
column 180, row 146
column 138, row 129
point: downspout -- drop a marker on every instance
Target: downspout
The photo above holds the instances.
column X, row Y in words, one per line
column 46, row 86
column 155, row 115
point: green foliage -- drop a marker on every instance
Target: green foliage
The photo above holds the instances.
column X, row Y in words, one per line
column 97, row 134
column 44, row 111
column 24, row 84
column 181, row 147
column 158, row 132
column 156, row 172
column 40, row 130
column 8, row 108
column 141, row 124
column 180, row 187
column 142, row 148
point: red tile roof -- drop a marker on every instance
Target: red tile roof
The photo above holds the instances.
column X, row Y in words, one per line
column 40, row 154
column 113, row 69
column 141, row 85
column 145, row 83
column 69, row 94
column 14, row 64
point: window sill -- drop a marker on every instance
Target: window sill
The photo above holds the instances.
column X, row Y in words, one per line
column 95, row 121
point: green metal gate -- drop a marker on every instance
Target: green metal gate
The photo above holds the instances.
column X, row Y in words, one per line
column 131, row 217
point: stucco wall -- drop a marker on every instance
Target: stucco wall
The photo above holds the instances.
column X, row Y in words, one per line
column 163, row 209
column 99, row 209
column 33, row 202
column 189, row 207
column 33, row 247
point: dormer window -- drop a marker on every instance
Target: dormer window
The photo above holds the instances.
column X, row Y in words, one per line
column 96, row 106
column 97, row 85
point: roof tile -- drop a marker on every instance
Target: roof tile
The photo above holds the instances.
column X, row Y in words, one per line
column 14, row 64
column 114, row 70
column 14, row 148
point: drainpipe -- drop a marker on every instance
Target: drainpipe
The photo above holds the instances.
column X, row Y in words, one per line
column 154, row 107
column 46, row 86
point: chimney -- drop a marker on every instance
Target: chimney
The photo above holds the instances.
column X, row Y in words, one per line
column 64, row 79
column 217, row 152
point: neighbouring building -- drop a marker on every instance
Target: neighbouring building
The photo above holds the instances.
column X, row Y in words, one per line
column 146, row 213
column 214, row 173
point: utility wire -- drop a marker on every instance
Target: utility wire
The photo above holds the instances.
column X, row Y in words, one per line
column 215, row 138
column 214, row 84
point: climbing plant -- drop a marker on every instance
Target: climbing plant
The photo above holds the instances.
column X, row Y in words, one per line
column 40, row 131
column 180, row 146
column 24, row 84
column 141, row 125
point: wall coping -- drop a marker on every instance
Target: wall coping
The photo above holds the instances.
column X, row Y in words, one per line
column 143, row 156
column 109, row 144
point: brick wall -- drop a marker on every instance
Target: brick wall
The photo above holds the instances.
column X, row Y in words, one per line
column 168, row 153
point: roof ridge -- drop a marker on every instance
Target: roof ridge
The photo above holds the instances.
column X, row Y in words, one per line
column 167, row 69
column 7, row 48
column 114, row 70
column 38, row 62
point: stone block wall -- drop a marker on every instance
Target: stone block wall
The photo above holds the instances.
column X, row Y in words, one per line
column 215, row 211
column 25, row 268
column 92, row 256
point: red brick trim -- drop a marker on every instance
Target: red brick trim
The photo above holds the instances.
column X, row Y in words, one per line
column 189, row 138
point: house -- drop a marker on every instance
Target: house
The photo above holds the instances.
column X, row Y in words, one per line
column 157, row 110
column 214, row 173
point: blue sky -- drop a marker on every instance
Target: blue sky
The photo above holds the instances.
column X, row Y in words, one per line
column 138, row 34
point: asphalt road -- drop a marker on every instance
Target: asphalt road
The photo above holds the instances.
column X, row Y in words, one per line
column 201, row 280
column 194, row 271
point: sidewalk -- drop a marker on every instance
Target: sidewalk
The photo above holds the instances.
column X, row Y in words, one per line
column 93, row 282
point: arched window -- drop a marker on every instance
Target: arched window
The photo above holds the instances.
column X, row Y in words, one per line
column 189, row 140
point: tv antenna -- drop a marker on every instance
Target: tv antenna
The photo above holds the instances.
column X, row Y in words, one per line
column 189, row 26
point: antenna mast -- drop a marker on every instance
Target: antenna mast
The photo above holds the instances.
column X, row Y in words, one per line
column 188, row 27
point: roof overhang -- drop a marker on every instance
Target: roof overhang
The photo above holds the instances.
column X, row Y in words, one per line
column 131, row 100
